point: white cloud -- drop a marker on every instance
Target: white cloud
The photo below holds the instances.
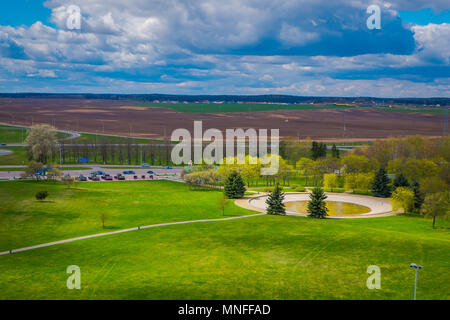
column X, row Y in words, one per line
column 175, row 46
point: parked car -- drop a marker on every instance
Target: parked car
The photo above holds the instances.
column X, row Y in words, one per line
column 151, row 177
column 145, row 165
column 120, row 177
column 82, row 178
column 95, row 178
column 143, row 176
column 150, row 172
column 3, row 144
column 135, row 177
column 129, row 172
column 169, row 167
column 98, row 173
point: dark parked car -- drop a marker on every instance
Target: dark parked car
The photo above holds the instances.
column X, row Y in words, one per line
column 120, row 177
column 135, row 177
column 151, row 177
column 98, row 173
column 129, row 172
column 150, row 172
column 143, row 176
column 82, row 178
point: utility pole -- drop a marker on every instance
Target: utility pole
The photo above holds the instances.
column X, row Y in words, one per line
column 445, row 131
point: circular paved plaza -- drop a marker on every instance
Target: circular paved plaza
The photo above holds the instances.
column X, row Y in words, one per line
column 379, row 207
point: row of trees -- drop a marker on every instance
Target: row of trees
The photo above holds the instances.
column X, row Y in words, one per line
column 44, row 147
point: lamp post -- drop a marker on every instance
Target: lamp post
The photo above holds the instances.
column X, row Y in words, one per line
column 415, row 266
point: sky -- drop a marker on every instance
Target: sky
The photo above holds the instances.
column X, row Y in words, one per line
column 296, row 47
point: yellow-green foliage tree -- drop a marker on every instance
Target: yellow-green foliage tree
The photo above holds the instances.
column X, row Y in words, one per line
column 359, row 181
column 354, row 163
column 199, row 179
column 306, row 168
column 330, row 181
column 437, row 205
column 403, row 197
column 413, row 169
column 429, row 185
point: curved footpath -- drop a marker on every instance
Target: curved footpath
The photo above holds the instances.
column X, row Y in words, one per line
column 379, row 207
column 122, row 231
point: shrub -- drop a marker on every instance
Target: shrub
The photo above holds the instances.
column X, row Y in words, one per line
column 403, row 197
column 41, row 195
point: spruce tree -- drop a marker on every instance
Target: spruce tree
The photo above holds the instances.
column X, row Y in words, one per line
column 335, row 151
column 275, row 202
column 380, row 186
column 401, row 181
column 234, row 186
column 316, row 206
column 418, row 196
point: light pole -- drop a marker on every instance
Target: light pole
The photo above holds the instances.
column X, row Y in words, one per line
column 415, row 266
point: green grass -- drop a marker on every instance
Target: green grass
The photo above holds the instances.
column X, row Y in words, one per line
column 266, row 257
column 13, row 134
column 237, row 107
column 91, row 138
column 76, row 211
column 413, row 110
column 10, row 134
column 63, row 169
column 18, row 157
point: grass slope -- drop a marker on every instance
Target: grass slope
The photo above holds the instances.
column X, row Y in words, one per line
column 77, row 211
column 266, row 257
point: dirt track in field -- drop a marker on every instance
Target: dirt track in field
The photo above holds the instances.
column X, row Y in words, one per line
column 123, row 117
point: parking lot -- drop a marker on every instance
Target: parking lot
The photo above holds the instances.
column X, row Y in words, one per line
column 157, row 173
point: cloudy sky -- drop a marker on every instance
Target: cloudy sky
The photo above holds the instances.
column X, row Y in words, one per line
column 299, row 47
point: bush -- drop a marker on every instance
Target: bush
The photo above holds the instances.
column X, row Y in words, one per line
column 41, row 195
column 403, row 197
column 300, row 189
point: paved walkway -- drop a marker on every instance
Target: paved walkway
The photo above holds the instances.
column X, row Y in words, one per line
column 379, row 207
column 122, row 231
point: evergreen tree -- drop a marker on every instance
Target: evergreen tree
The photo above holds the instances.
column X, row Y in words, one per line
column 314, row 150
column 275, row 202
column 318, row 150
column 380, row 187
column 234, row 186
column 335, row 151
column 418, row 196
column 401, row 181
column 316, row 206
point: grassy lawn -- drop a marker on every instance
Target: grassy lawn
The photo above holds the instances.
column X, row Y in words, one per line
column 266, row 257
column 63, row 169
column 76, row 211
column 18, row 157
column 91, row 138
column 10, row 134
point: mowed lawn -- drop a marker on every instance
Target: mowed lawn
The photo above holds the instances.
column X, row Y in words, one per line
column 264, row 257
column 77, row 211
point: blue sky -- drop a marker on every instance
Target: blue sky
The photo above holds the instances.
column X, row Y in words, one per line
column 299, row 47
